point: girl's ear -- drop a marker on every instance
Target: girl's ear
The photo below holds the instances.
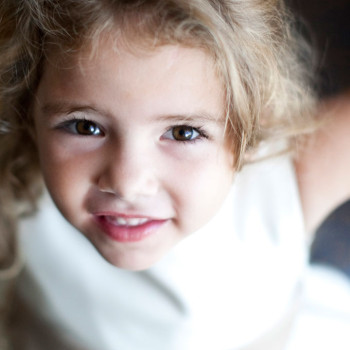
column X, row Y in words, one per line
column 30, row 128
column 33, row 135
column 30, row 121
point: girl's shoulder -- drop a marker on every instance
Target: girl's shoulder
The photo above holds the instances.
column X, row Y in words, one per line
column 323, row 166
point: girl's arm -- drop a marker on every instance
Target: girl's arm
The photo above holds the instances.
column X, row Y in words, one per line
column 323, row 167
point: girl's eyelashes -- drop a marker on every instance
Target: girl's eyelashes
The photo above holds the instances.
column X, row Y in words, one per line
column 83, row 127
column 184, row 133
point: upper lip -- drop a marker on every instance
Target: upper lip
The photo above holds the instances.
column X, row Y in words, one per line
column 127, row 216
column 126, row 219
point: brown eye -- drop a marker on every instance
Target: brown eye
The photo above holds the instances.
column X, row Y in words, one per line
column 86, row 127
column 184, row 133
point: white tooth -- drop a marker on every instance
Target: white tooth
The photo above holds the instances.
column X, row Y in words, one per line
column 133, row 221
column 121, row 221
column 126, row 221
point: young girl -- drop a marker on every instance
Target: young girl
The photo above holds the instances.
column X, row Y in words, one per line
column 138, row 116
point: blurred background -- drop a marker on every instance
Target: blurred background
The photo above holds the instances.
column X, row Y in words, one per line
column 324, row 322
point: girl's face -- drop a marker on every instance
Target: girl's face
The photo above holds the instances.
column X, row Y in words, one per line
column 132, row 147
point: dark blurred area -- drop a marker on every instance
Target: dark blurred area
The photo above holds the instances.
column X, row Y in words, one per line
column 332, row 242
column 327, row 24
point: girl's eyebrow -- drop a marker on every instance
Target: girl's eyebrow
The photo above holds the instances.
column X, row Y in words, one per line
column 54, row 108
column 197, row 117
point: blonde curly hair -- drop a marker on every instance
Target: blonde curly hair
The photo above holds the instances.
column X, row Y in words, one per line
column 259, row 57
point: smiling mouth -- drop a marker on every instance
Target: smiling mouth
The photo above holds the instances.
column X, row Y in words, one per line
column 128, row 229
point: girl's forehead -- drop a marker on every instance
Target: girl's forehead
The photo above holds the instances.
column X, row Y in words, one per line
column 121, row 63
column 127, row 46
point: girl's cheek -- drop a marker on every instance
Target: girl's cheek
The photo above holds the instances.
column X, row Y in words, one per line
column 191, row 153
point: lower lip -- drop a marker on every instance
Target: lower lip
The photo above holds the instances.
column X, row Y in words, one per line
column 126, row 234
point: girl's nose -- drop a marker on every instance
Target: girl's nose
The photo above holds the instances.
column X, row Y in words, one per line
column 129, row 174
